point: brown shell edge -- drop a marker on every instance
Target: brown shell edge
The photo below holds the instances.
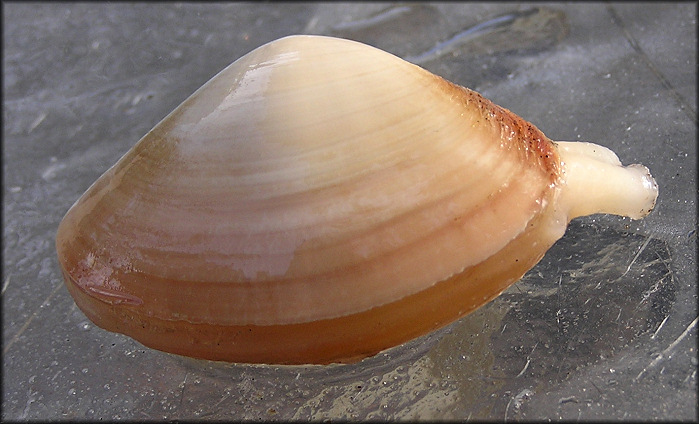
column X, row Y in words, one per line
column 345, row 339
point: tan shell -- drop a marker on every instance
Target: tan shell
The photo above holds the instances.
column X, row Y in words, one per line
column 320, row 200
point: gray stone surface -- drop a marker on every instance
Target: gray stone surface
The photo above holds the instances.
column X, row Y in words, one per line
column 603, row 328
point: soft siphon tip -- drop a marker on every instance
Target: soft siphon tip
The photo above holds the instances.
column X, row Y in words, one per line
column 594, row 181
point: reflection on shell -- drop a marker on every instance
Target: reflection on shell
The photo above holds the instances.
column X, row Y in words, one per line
column 320, row 200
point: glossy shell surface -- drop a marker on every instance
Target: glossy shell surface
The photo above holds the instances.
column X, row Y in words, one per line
column 317, row 201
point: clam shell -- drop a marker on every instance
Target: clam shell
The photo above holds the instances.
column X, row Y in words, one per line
column 318, row 200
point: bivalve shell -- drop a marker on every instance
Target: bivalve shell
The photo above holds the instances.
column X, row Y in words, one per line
column 320, row 200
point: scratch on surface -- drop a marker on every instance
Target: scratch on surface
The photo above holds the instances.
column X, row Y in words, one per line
column 226, row 395
column 184, row 384
column 30, row 319
column 659, row 327
column 668, row 350
column 688, row 109
column 31, row 398
column 559, row 312
column 37, row 121
column 5, row 284
column 654, row 288
column 601, row 395
column 518, row 401
column 643, row 247
column 529, row 360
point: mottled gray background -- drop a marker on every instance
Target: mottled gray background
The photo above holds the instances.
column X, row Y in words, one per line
column 603, row 328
